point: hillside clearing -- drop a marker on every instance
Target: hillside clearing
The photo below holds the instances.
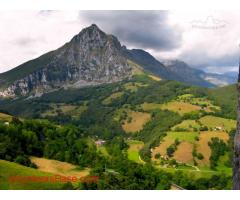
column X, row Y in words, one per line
column 5, row 117
column 175, row 106
column 10, row 169
column 133, row 86
column 150, row 106
column 187, row 138
column 218, row 123
column 202, row 144
column 136, row 69
column 73, row 110
column 155, row 78
column 135, row 121
column 162, row 148
column 188, row 125
column 112, row 97
column 182, row 136
column 133, row 150
column 58, row 167
column 203, row 102
column 183, row 153
column 180, row 107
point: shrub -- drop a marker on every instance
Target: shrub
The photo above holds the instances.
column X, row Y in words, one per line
column 157, row 156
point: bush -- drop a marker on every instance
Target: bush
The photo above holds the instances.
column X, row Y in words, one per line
column 23, row 160
column 157, row 156
column 200, row 156
column 203, row 128
column 196, row 138
column 67, row 186
column 33, row 165
column 170, row 151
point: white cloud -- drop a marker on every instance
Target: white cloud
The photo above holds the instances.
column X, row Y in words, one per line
column 206, row 45
column 28, row 34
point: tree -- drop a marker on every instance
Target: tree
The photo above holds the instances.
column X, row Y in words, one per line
column 158, row 155
column 23, row 160
column 170, row 151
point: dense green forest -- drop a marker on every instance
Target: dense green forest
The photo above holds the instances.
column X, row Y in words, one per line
column 19, row 140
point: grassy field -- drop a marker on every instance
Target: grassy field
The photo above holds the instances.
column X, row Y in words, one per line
column 180, row 107
column 155, row 78
column 183, row 104
column 192, row 173
column 10, row 169
column 58, row 167
column 113, row 96
column 184, row 150
column 202, row 144
column 221, row 165
column 182, row 136
column 133, row 87
column 138, row 120
column 185, row 97
column 205, row 103
column 175, row 106
column 162, row 148
column 5, row 117
column 133, row 150
column 195, row 101
column 73, row 110
column 136, row 69
column 188, row 125
column 150, row 106
column 213, row 122
column 184, row 153
column 78, row 110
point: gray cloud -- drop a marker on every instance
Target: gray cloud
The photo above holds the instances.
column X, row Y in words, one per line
column 201, row 60
column 140, row 29
column 165, row 34
column 24, row 41
column 221, row 69
column 46, row 13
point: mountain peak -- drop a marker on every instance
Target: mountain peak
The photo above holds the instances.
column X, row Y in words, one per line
column 93, row 37
column 91, row 28
column 92, row 32
column 92, row 57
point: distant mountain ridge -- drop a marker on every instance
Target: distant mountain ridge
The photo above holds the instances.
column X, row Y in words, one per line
column 92, row 57
column 199, row 77
column 171, row 70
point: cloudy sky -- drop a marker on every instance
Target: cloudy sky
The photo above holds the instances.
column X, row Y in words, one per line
column 206, row 40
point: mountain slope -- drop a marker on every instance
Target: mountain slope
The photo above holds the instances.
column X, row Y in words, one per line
column 199, row 77
column 171, row 70
column 9, row 170
column 187, row 74
column 148, row 62
column 90, row 58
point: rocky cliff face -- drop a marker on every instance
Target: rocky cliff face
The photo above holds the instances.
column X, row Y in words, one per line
column 90, row 58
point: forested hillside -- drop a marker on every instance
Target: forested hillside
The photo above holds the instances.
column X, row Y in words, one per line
column 154, row 133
